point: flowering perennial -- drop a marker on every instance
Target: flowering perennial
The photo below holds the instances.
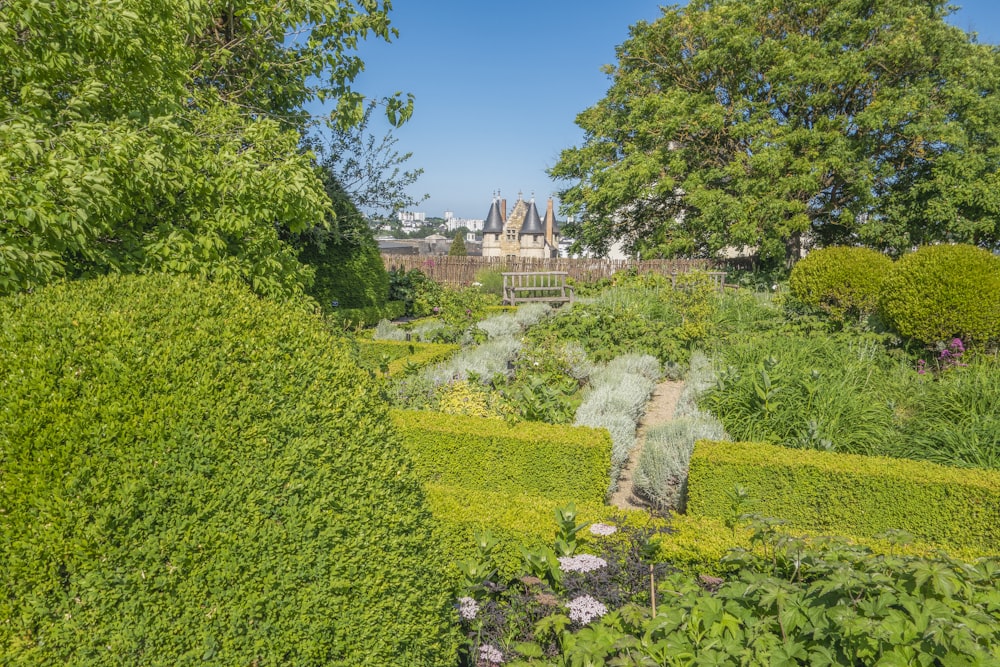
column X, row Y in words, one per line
column 491, row 654
column 467, row 608
column 581, row 563
column 602, row 529
column 584, row 609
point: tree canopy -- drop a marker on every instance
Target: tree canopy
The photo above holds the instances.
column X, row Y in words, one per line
column 164, row 135
column 760, row 124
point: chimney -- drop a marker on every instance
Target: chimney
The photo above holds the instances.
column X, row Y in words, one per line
column 550, row 217
column 503, row 210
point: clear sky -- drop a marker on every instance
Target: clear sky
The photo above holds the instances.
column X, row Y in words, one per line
column 498, row 86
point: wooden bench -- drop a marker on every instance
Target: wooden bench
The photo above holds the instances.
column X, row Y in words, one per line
column 546, row 286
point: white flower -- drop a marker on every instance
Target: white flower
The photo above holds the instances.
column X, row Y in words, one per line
column 477, row 284
column 581, row 563
column 602, row 529
column 584, row 609
column 467, row 608
column 490, row 654
column 774, row 287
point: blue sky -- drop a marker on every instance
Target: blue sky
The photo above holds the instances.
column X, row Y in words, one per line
column 498, row 86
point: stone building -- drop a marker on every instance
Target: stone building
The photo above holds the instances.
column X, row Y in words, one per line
column 522, row 233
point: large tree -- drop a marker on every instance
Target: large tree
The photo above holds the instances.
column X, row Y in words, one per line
column 761, row 124
column 151, row 135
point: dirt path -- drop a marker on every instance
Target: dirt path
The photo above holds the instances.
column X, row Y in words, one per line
column 660, row 409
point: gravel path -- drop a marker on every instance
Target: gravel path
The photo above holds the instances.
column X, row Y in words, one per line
column 660, row 409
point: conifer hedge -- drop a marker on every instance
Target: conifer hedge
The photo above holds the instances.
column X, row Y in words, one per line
column 191, row 474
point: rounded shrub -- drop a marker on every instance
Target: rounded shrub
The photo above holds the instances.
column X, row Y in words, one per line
column 841, row 281
column 190, row 474
column 942, row 292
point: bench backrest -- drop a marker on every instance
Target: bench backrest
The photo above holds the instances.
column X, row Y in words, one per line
column 540, row 279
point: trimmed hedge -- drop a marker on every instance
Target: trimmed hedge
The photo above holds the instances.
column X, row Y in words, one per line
column 846, row 494
column 693, row 544
column 193, row 474
column 561, row 463
column 404, row 354
column 841, row 281
column 944, row 291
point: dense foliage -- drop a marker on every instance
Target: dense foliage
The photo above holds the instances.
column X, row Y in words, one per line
column 851, row 393
column 791, row 602
column 942, row 292
column 841, row 281
column 639, row 314
column 164, row 136
column 751, row 124
column 191, row 473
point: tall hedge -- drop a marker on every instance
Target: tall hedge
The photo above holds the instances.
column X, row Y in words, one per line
column 840, row 281
column 944, row 291
column 189, row 474
column 847, row 494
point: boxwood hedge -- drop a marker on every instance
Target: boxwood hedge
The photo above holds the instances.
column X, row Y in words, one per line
column 851, row 495
column 191, row 474
column 841, row 281
column 561, row 463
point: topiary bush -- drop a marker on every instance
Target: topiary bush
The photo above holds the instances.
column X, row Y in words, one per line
column 942, row 292
column 193, row 474
column 843, row 282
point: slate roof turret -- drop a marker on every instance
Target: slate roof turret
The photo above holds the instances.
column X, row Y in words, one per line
column 494, row 221
column 532, row 223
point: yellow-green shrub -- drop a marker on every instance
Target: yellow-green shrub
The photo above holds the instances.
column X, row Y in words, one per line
column 404, row 355
column 560, row 463
column 841, row 281
column 850, row 495
column 189, row 473
column 944, row 291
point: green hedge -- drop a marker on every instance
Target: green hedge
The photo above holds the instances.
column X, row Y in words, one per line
column 191, row 474
column 353, row 274
column 561, row 463
column 404, row 354
column 846, row 494
column 693, row 544
column 944, row 291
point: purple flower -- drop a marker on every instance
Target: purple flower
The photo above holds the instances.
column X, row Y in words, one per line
column 584, row 609
column 956, row 344
column 436, row 309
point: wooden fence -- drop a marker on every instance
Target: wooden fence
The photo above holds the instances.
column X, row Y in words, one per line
column 463, row 270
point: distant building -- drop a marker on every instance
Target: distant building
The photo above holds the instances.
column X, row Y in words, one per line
column 522, row 233
column 411, row 216
column 473, row 225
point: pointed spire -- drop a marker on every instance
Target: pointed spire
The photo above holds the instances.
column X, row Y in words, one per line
column 532, row 223
column 494, row 221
